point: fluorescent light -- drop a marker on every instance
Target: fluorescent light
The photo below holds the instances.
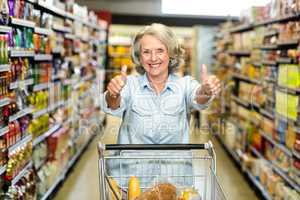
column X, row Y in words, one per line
column 210, row 7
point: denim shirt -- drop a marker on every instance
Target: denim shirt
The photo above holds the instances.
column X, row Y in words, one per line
column 148, row 118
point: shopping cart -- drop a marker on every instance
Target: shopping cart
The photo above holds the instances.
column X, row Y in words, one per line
column 183, row 165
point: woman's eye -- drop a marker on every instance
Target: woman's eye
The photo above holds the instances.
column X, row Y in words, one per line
column 160, row 51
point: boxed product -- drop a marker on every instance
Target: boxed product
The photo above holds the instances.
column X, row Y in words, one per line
column 268, row 126
column 287, row 105
column 290, row 137
column 289, row 75
column 273, row 180
column 281, row 127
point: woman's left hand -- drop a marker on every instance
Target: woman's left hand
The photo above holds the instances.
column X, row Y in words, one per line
column 211, row 85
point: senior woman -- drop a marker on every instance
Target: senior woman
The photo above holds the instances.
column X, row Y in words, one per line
column 155, row 106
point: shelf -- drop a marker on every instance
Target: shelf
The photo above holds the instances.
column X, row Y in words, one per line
column 278, row 20
column 20, row 143
column 22, row 22
column 231, row 152
column 271, row 33
column 3, row 131
column 31, row 1
column 276, row 144
column 239, row 53
column 70, row 16
column 283, row 60
column 21, row 173
column 296, row 154
column 242, row 77
column 70, row 36
column 266, row 113
column 43, row 31
column 290, row 43
column 5, row 101
column 43, row 57
column 20, row 84
column 267, row 62
column 41, row 86
column 241, row 28
column 5, row 29
column 56, row 105
column 288, row 90
column 256, row 64
column 277, row 170
column 2, row 169
column 60, row 28
column 19, row 114
column 258, row 185
column 52, row 188
column 57, row 50
column 4, row 68
column 240, row 101
column 269, row 47
column 78, row 153
column 52, row 9
column 286, row 177
column 45, row 135
column 271, row 80
column 39, row 113
column 21, row 53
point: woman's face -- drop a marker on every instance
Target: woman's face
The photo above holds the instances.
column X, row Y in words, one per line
column 154, row 56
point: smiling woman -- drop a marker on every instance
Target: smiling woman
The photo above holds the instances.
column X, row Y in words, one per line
column 155, row 106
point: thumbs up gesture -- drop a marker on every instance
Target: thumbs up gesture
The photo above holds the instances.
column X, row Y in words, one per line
column 116, row 84
column 211, row 85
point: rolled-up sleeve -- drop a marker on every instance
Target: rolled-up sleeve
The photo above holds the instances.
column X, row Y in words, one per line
column 123, row 105
column 192, row 86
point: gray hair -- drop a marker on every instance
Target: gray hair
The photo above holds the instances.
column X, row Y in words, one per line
column 167, row 37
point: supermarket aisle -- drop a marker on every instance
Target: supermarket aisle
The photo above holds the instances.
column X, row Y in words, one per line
column 83, row 181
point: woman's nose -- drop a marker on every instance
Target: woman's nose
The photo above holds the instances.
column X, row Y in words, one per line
column 153, row 56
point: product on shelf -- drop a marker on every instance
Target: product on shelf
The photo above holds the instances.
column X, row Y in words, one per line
column 17, row 160
column 24, row 188
column 287, row 105
column 289, row 76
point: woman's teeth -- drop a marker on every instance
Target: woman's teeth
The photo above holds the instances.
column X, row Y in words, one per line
column 154, row 65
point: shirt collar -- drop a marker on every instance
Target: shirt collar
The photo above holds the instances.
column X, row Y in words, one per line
column 169, row 85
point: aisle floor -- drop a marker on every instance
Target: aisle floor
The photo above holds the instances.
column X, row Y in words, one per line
column 82, row 182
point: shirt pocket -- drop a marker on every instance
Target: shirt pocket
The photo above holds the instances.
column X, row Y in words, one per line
column 141, row 125
column 173, row 119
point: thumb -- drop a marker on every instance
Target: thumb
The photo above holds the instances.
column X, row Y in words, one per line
column 124, row 72
column 204, row 73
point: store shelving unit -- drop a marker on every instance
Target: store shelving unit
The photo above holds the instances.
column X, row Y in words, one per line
column 253, row 101
column 85, row 45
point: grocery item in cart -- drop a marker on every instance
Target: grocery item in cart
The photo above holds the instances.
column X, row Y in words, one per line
column 163, row 191
column 134, row 189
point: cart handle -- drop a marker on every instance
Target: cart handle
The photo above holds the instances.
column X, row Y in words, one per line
column 207, row 145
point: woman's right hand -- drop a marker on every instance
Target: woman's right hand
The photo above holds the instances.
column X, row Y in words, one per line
column 116, row 84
